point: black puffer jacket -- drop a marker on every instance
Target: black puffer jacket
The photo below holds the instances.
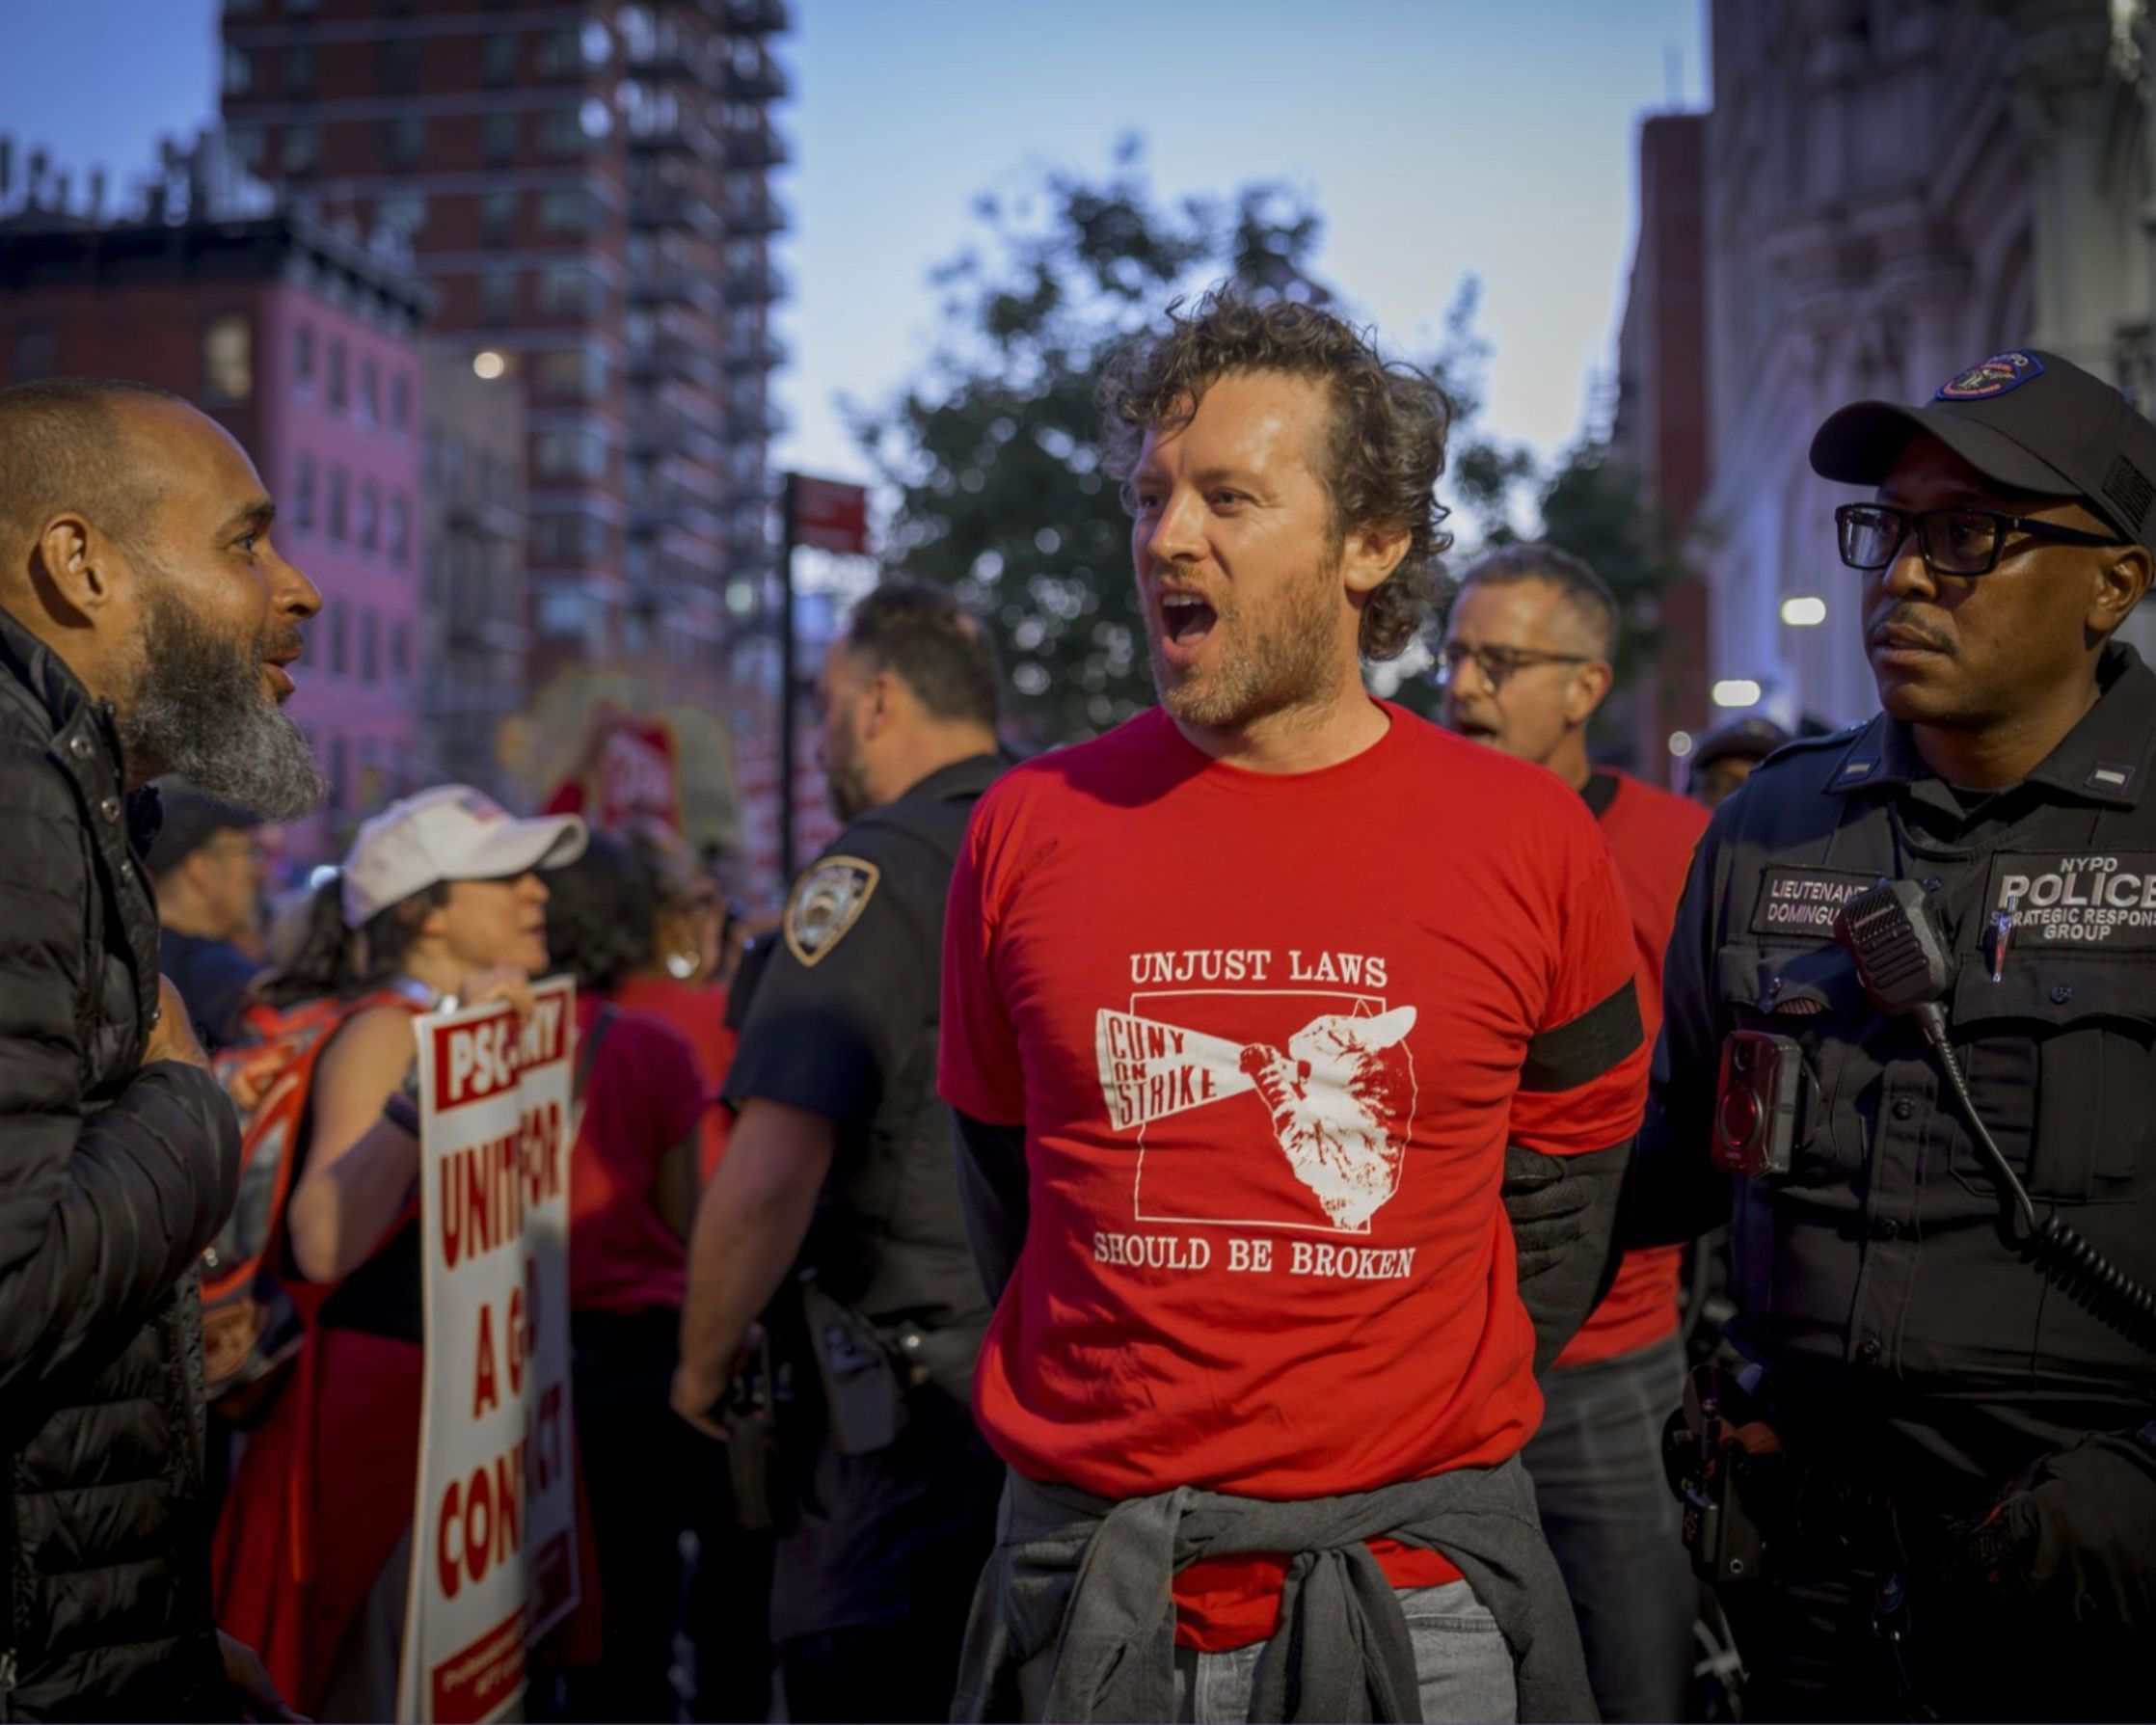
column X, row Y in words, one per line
column 113, row 1177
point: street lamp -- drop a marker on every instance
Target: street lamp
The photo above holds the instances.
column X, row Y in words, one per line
column 1679, row 744
column 1736, row 691
column 488, row 365
column 1803, row 611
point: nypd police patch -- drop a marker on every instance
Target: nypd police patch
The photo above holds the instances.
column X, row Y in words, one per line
column 827, row 901
column 2101, row 900
column 1994, row 376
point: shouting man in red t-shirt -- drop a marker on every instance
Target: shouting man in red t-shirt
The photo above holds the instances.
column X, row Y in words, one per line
column 1244, row 1003
column 1525, row 661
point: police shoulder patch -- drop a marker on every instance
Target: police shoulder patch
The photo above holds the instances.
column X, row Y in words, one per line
column 827, row 901
column 1994, row 376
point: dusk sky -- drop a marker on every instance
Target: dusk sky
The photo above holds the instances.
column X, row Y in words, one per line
column 1439, row 138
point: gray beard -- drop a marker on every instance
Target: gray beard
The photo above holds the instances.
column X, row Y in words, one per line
column 200, row 712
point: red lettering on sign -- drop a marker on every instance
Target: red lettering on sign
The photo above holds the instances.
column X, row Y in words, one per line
column 472, row 1683
column 516, row 1341
column 485, row 1393
column 481, row 1521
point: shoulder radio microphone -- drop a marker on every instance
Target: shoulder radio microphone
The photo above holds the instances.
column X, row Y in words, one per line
column 1901, row 957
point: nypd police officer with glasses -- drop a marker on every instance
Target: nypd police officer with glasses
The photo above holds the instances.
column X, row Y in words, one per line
column 1925, row 1481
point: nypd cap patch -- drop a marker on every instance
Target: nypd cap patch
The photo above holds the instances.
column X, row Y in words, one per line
column 1994, row 376
column 827, row 901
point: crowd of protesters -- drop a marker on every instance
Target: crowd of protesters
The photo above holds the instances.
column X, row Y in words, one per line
column 1153, row 1231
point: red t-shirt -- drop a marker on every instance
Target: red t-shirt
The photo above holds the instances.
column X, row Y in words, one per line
column 1653, row 834
column 1266, row 1035
column 643, row 1097
column 698, row 1011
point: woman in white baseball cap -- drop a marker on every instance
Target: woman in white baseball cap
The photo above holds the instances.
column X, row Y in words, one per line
column 440, row 898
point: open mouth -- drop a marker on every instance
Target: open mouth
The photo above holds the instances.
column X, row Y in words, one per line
column 1186, row 619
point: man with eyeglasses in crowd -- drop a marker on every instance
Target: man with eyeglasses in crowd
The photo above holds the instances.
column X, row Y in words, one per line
column 1527, row 659
column 1948, row 1453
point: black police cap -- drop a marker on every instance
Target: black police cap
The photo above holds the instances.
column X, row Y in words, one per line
column 2030, row 423
column 1741, row 739
column 191, row 821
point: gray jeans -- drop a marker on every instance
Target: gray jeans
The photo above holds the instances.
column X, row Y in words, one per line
column 1614, row 1525
column 1461, row 1659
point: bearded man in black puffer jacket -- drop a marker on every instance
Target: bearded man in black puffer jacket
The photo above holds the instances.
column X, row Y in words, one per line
column 143, row 624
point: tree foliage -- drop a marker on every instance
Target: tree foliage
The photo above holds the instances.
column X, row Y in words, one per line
column 1596, row 505
column 993, row 454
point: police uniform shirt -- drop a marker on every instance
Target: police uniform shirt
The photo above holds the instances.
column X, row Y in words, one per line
column 841, row 1020
column 1875, row 1276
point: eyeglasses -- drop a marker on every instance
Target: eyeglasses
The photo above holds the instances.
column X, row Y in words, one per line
column 1952, row 541
column 1496, row 663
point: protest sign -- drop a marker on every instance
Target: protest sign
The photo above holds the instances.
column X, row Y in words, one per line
column 493, row 1557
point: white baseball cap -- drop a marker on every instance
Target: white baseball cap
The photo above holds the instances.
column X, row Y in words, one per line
column 451, row 832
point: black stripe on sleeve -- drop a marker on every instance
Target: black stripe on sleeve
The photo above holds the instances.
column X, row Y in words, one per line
column 1568, row 1055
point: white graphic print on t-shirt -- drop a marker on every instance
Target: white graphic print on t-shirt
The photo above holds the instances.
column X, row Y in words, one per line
column 1332, row 1079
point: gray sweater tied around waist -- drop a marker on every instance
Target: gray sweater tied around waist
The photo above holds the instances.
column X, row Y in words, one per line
column 1085, row 1584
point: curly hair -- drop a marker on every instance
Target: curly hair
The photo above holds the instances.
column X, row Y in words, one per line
column 600, row 910
column 1382, row 461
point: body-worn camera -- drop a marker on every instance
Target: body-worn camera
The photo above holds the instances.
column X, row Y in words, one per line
column 1762, row 1104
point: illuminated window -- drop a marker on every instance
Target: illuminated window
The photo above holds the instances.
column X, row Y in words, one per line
column 228, row 358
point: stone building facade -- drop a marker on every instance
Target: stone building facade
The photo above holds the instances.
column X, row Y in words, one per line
column 1896, row 189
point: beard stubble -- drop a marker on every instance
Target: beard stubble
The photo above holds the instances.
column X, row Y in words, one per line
column 1276, row 663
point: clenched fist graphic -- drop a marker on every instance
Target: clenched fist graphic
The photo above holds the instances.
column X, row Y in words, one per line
column 1339, row 1099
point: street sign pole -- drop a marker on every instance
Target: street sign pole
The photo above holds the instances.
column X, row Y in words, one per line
column 831, row 516
column 789, row 673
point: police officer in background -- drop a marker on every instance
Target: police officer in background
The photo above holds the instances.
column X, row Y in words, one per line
column 1930, row 1484
column 1722, row 762
column 838, row 1175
